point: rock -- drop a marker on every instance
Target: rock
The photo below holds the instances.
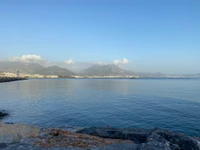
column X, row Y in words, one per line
column 10, row 138
column 3, row 114
column 183, row 141
column 3, row 145
column 155, row 139
column 10, row 133
column 136, row 135
column 26, row 137
column 124, row 146
column 19, row 146
column 50, row 138
column 154, row 146
column 29, row 141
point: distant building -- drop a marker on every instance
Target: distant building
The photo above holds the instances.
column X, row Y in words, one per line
column 2, row 74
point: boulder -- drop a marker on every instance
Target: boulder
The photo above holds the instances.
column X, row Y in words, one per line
column 10, row 133
column 155, row 139
column 3, row 145
column 2, row 114
column 118, row 146
column 19, row 136
column 183, row 141
column 136, row 135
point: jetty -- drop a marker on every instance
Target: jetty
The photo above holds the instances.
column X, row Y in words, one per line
column 10, row 79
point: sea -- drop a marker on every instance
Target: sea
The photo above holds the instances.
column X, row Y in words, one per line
column 172, row 104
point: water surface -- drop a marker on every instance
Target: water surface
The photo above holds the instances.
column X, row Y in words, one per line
column 173, row 104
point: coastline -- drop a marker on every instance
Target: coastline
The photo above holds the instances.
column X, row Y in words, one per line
column 20, row 136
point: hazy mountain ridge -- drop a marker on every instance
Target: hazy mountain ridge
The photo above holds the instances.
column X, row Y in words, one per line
column 22, row 67
column 105, row 70
column 33, row 68
column 55, row 70
column 94, row 70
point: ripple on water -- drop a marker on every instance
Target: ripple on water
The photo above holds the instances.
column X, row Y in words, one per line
column 171, row 104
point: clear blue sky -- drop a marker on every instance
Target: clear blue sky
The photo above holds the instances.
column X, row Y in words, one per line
column 154, row 35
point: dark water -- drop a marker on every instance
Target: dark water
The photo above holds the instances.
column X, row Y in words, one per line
column 172, row 104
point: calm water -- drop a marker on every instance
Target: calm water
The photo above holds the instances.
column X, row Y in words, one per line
column 173, row 104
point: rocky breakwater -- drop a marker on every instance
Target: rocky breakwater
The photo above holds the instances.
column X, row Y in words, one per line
column 10, row 79
column 27, row 137
column 155, row 139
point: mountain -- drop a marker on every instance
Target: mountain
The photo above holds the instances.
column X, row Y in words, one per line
column 105, row 70
column 33, row 68
column 22, row 67
column 55, row 70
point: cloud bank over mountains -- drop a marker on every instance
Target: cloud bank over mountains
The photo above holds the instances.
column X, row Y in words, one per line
column 68, row 63
column 123, row 61
column 27, row 58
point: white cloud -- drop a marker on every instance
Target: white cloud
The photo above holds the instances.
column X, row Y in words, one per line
column 27, row 58
column 99, row 63
column 70, row 62
column 123, row 61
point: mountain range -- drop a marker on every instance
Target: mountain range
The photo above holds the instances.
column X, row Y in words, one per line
column 55, row 70
column 33, row 68
column 94, row 70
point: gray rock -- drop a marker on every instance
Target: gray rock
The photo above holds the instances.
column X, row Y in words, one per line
column 29, row 141
column 23, row 137
column 155, row 139
column 137, row 135
column 19, row 146
column 9, row 138
column 154, row 146
column 3, row 145
column 183, row 141
column 11, row 133
column 3, row 114
column 124, row 146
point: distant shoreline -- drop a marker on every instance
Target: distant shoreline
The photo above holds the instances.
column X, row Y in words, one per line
column 11, row 79
column 123, row 78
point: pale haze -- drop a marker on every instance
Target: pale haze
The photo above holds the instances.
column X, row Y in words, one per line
column 137, row 35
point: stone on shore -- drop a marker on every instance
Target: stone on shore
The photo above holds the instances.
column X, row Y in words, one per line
column 3, row 114
column 17, row 136
column 27, row 137
column 136, row 135
column 10, row 133
column 155, row 139
column 57, row 137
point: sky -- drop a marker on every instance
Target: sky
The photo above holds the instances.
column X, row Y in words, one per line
column 138, row 35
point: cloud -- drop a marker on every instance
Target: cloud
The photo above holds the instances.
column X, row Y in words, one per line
column 99, row 63
column 123, row 61
column 27, row 58
column 69, row 62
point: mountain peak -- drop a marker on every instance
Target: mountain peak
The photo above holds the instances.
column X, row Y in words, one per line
column 104, row 70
